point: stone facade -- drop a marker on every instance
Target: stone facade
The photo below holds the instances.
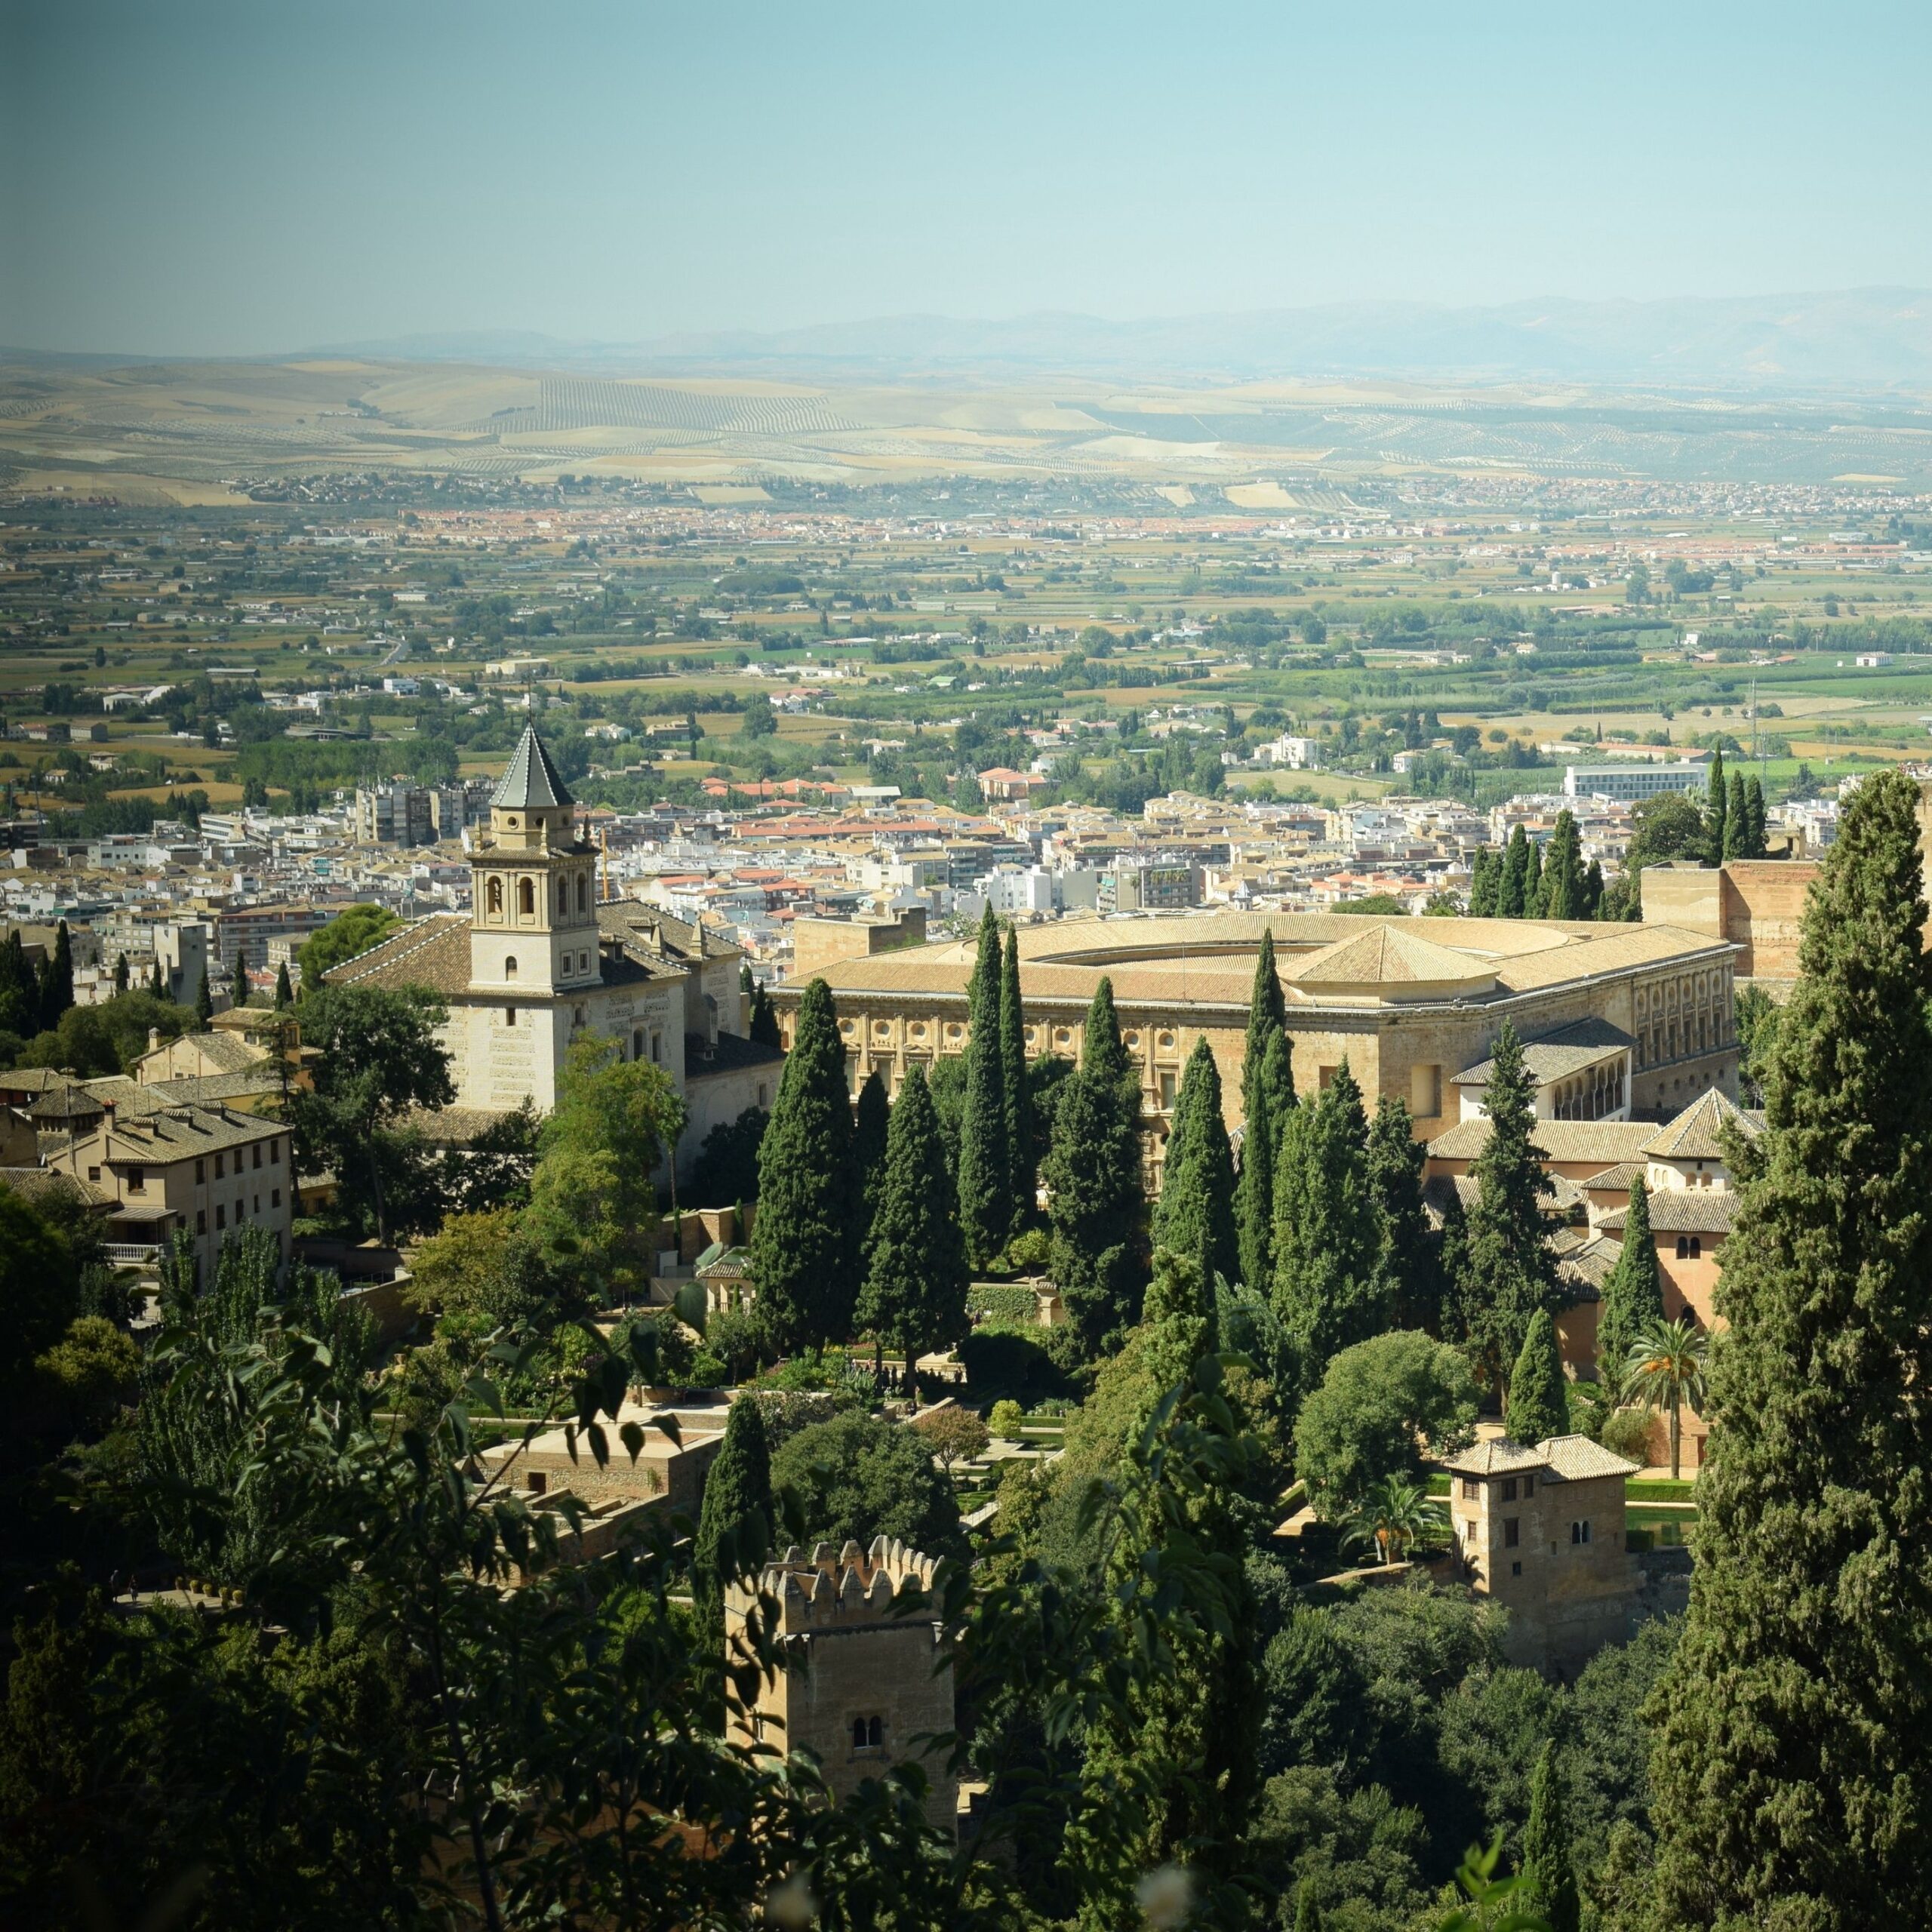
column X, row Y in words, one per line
column 1757, row 904
column 1541, row 1531
column 867, row 1675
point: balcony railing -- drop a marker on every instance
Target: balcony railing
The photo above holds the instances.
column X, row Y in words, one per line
column 131, row 1253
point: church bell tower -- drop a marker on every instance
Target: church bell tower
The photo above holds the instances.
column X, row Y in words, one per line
column 532, row 926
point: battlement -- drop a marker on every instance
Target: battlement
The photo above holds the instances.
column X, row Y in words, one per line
column 844, row 1590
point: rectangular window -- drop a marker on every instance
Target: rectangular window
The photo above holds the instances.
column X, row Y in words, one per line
column 1508, row 1489
column 219, row 1167
column 275, row 1196
column 1529, row 1485
column 257, row 1161
column 220, row 1215
column 258, row 1204
column 201, row 1220
column 1426, row 1091
column 201, row 1171
column 275, row 1153
column 1167, row 1093
column 510, row 1015
column 93, row 1174
column 1515, row 1569
column 1472, row 1489
column 137, row 1181
column 1512, row 1532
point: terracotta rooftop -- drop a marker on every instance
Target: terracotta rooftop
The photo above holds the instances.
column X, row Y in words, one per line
column 1607, row 1142
column 1556, row 1056
column 1696, row 1133
column 1682, row 1210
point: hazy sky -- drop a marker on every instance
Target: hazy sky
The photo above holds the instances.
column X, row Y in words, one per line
column 177, row 177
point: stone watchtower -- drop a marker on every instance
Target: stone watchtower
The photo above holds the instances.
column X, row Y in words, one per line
column 533, row 917
column 1541, row 1531
column 865, row 1674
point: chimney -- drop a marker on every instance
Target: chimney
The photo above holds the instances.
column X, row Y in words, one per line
column 154, row 1039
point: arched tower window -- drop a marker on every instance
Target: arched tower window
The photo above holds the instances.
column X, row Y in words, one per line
column 582, row 892
column 496, row 899
column 509, row 967
column 563, row 895
column 526, row 897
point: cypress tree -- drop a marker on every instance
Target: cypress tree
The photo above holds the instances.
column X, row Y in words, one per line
column 1532, row 885
column 1512, row 887
column 915, row 1296
column 1507, row 1269
column 1272, row 1100
column 1792, row 1772
column 1536, row 1408
column 1409, row 1265
column 1180, row 1318
column 763, row 1024
column 1328, row 1290
column 1716, row 798
column 1593, row 891
column 1195, row 1215
column 1632, row 1295
column 1563, row 895
column 57, row 980
column 1017, row 1090
column 204, row 1003
column 985, row 1159
column 157, row 984
column 1484, row 879
column 983, row 990
column 1736, row 819
column 870, row 1119
column 122, row 976
column 1093, row 1170
column 284, row 993
column 803, row 1255
column 736, row 1520
column 239, row 996
column 1547, row 1864
column 1754, row 845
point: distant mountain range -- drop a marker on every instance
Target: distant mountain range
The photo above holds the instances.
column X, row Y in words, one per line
column 1861, row 338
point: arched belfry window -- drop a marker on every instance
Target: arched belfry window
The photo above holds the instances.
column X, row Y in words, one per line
column 509, row 967
column 563, row 895
column 526, row 898
column 496, row 899
column 582, row 892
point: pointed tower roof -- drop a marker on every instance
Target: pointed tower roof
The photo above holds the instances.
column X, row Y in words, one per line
column 531, row 783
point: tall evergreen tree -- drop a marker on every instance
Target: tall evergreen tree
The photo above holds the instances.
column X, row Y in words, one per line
column 763, row 1026
column 1536, row 1408
column 1792, row 1772
column 284, row 993
column 1328, row 1287
column 871, row 1119
column 1409, row 1263
column 57, row 980
column 1017, row 1088
column 1633, row 1298
column 803, row 1255
column 238, row 994
column 1593, row 891
column 985, row 1157
column 204, row 1003
column 1485, row 879
column 1717, row 800
column 1533, row 892
column 157, row 982
column 1272, row 1099
column 738, row 1519
column 915, row 1296
column 1195, row 1215
column 123, row 978
column 1562, row 896
column 1512, row 887
column 1736, row 818
column 1093, row 1170
column 1508, row 1271
column 1549, row 1866
column 1754, row 845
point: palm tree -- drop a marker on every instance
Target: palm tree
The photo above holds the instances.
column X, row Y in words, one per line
column 1395, row 1514
column 1665, row 1370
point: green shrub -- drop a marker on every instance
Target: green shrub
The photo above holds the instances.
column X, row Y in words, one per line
column 1007, row 1420
column 1627, row 1433
column 1003, row 1307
